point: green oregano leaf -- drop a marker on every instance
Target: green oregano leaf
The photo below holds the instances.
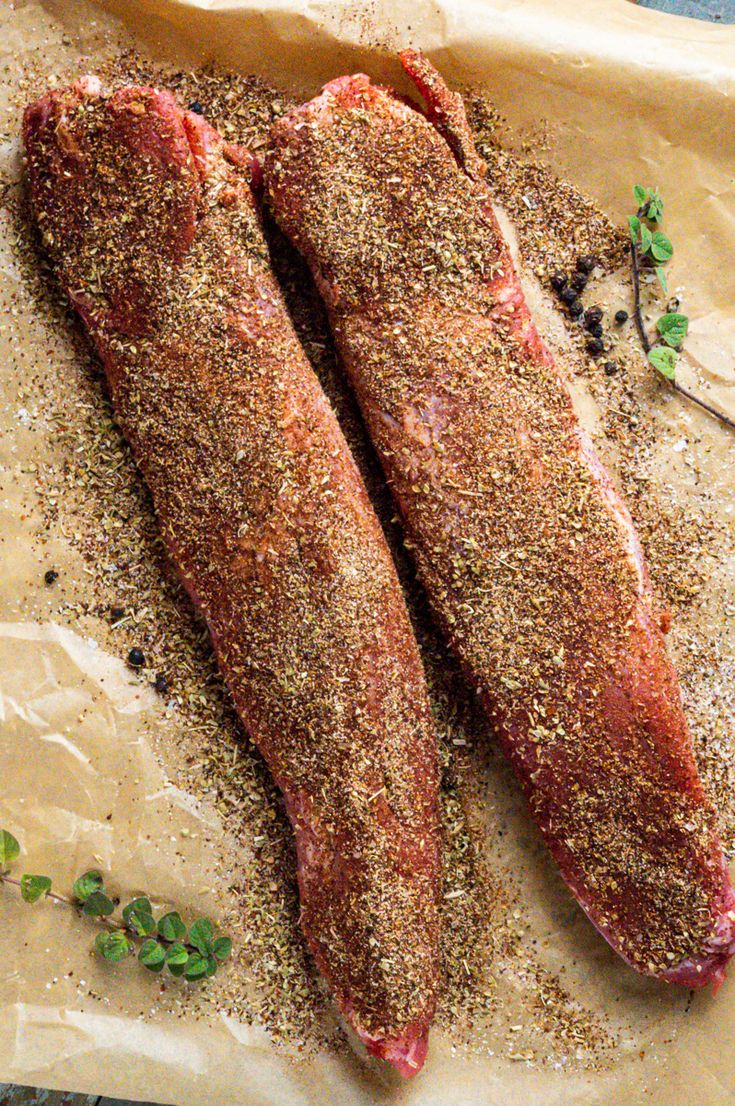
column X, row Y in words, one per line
column 32, row 887
column 87, row 884
column 9, row 848
column 98, row 905
column 673, row 328
column 177, row 955
column 635, row 228
column 661, row 248
column 113, row 946
column 646, row 239
column 212, row 966
column 140, row 905
column 661, row 274
column 655, row 207
column 196, row 967
column 663, row 358
column 142, row 924
column 171, row 927
column 138, row 916
column 641, row 194
column 178, row 969
column 152, row 955
column 200, row 936
column 222, row 948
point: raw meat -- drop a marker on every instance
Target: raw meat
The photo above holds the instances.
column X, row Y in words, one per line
column 526, row 550
column 153, row 225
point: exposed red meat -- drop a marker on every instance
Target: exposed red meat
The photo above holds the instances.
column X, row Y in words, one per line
column 526, row 550
column 153, row 226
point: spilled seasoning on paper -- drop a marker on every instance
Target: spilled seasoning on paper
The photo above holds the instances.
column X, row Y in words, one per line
column 499, row 993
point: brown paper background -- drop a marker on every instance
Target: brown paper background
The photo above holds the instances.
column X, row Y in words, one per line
column 629, row 95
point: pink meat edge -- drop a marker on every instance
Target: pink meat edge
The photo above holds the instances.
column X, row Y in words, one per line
column 710, row 965
column 695, row 972
column 405, row 1053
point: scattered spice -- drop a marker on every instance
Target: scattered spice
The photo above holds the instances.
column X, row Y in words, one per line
column 473, row 407
column 161, row 684
column 586, row 263
column 492, row 974
column 136, row 658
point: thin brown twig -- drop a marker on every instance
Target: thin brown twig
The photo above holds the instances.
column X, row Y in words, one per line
column 111, row 923
column 48, row 894
column 637, row 299
column 714, row 411
column 647, row 346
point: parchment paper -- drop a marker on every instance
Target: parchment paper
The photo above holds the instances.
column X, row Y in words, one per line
column 629, row 95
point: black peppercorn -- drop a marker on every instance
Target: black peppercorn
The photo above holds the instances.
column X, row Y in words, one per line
column 586, row 263
column 161, row 684
column 595, row 346
column 595, row 330
column 116, row 613
column 576, row 308
column 136, row 659
column 568, row 294
column 593, row 316
column 558, row 282
column 196, row 107
column 610, row 368
column 579, row 282
column 621, row 317
column 50, row 576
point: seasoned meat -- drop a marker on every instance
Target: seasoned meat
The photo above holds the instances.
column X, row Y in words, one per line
column 153, row 226
column 526, row 550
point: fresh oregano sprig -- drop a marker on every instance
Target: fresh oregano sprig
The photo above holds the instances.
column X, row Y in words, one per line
column 650, row 246
column 195, row 953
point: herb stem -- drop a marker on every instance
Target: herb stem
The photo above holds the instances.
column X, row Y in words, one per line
column 637, row 299
column 109, row 923
column 646, row 343
column 703, row 404
column 48, row 894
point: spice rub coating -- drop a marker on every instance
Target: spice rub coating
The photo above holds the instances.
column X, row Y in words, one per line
column 153, row 225
column 527, row 551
